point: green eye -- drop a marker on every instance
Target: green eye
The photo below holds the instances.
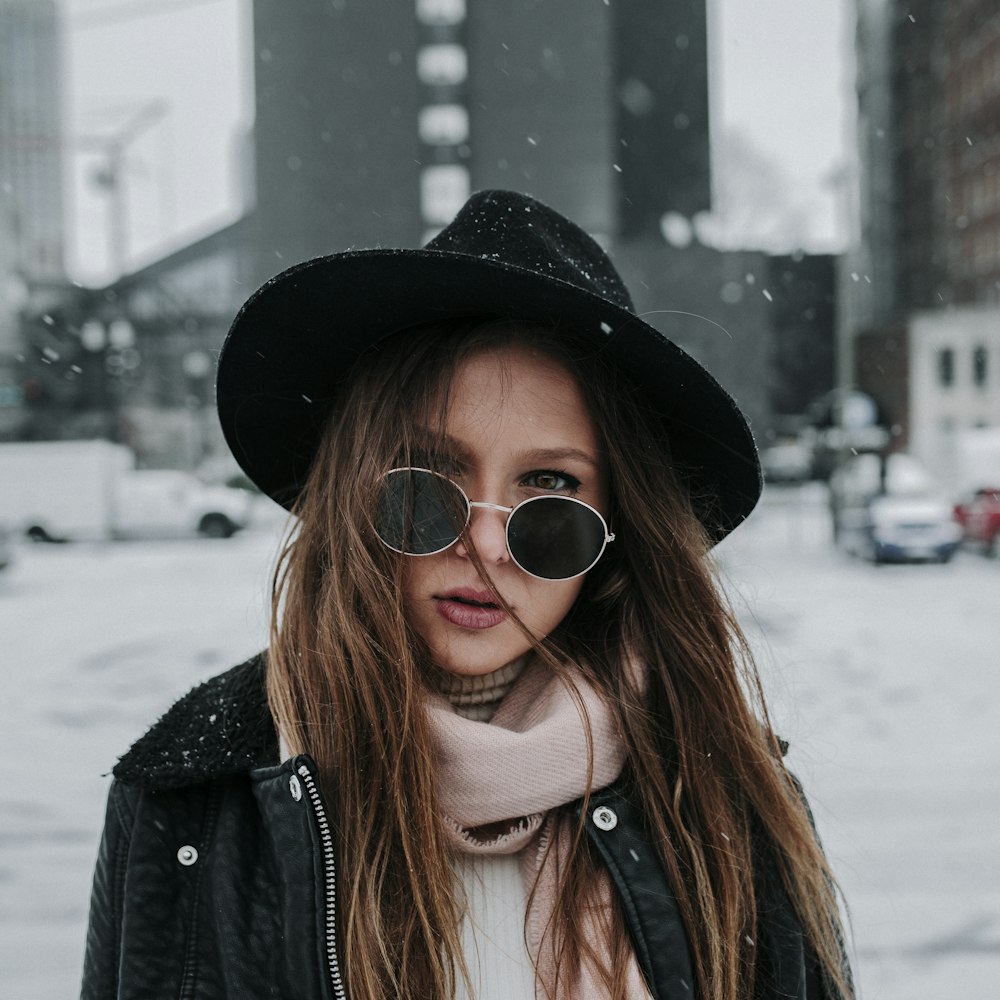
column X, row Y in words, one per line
column 552, row 480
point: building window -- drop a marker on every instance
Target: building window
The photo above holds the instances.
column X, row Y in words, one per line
column 980, row 367
column 441, row 12
column 442, row 65
column 443, row 191
column 946, row 366
column 443, row 125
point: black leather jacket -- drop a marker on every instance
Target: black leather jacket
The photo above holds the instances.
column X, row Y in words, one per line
column 216, row 878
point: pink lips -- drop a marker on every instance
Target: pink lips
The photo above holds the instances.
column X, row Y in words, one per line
column 468, row 608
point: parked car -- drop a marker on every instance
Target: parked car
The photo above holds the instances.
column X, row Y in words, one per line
column 164, row 502
column 913, row 528
column 892, row 513
column 979, row 517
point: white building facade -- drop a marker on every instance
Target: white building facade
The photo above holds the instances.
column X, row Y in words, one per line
column 955, row 392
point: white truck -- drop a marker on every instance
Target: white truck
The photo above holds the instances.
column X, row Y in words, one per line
column 91, row 490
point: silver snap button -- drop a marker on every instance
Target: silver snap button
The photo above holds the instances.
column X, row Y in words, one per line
column 295, row 788
column 187, row 855
column 605, row 818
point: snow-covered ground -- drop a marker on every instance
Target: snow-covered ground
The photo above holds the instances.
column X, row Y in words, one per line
column 884, row 679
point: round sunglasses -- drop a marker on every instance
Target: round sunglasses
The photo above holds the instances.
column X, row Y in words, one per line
column 422, row 513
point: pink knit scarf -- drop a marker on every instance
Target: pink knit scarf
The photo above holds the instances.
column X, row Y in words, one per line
column 508, row 775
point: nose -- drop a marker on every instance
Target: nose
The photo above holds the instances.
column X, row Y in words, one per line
column 487, row 533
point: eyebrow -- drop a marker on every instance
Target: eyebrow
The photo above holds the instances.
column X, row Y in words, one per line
column 535, row 456
column 541, row 455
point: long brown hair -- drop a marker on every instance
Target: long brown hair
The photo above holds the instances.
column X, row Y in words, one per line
column 347, row 675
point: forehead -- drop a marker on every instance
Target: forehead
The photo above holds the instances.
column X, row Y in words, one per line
column 517, row 395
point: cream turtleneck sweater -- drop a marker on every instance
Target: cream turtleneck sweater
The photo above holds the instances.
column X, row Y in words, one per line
column 477, row 698
column 493, row 922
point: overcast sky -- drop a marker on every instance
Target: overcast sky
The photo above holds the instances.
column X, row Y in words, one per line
column 179, row 72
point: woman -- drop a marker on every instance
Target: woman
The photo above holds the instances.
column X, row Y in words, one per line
column 506, row 739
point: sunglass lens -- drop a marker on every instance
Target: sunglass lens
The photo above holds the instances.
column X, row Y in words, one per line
column 418, row 512
column 555, row 537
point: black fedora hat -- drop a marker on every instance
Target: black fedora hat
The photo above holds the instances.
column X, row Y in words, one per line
column 295, row 340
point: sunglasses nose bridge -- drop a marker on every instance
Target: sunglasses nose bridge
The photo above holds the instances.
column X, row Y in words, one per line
column 489, row 534
column 490, row 506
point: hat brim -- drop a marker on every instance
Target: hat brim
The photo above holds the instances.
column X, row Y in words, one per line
column 295, row 340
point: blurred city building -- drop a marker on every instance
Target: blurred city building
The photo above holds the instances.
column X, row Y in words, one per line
column 31, row 140
column 803, row 314
column 373, row 125
column 134, row 362
column 31, row 177
column 925, row 305
column 953, row 382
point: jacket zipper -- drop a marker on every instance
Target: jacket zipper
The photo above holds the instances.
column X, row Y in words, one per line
column 330, row 880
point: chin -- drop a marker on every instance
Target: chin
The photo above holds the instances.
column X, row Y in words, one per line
column 470, row 657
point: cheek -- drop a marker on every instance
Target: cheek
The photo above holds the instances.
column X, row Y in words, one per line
column 548, row 603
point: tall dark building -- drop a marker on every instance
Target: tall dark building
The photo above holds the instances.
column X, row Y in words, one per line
column 601, row 110
column 542, row 105
column 921, row 142
column 802, row 316
column 375, row 121
column 941, row 144
column 32, row 230
column 925, row 347
column 336, row 145
column 661, row 90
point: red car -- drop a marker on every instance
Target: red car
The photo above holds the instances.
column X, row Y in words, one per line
column 979, row 517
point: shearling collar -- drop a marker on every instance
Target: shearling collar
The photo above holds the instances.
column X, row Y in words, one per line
column 220, row 728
